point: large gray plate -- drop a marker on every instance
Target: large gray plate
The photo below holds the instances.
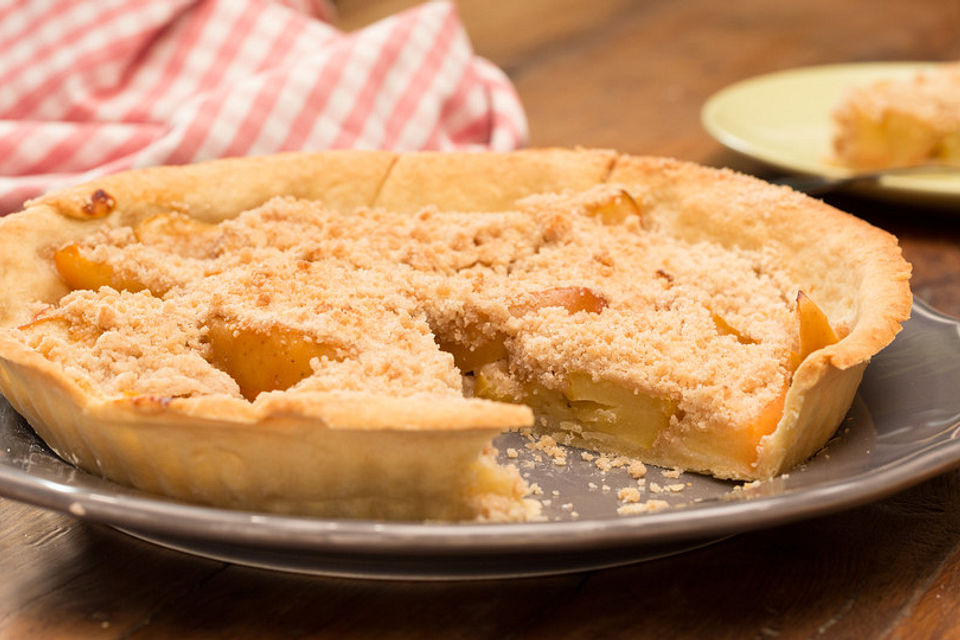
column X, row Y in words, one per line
column 904, row 427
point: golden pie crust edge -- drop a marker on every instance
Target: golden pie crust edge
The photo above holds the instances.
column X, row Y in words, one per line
column 855, row 272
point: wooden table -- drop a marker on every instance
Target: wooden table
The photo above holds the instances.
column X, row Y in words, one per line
column 631, row 76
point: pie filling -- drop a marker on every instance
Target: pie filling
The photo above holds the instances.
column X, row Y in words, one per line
column 618, row 336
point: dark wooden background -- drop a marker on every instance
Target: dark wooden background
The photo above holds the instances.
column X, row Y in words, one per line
column 631, row 76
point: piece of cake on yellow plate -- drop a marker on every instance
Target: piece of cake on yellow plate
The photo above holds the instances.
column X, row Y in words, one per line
column 901, row 122
column 343, row 333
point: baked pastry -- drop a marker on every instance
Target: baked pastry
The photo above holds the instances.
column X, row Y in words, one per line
column 298, row 332
column 901, row 123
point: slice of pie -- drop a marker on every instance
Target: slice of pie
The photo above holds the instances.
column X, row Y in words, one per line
column 343, row 333
column 901, row 123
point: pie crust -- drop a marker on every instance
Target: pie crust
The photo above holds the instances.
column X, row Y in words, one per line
column 377, row 455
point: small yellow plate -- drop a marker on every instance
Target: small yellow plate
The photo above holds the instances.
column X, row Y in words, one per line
column 784, row 119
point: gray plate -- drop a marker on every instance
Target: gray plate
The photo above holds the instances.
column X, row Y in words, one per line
column 904, row 427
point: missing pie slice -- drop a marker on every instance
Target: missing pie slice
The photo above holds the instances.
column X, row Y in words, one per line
column 342, row 333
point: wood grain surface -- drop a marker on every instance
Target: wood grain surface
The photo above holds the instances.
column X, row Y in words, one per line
column 631, row 76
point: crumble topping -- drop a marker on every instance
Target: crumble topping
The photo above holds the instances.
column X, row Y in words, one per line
column 128, row 343
column 373, row 301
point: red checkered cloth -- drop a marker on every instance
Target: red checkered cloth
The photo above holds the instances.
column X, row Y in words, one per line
column 96, row 86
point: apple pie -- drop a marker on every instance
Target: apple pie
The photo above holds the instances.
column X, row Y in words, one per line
column 902, row 122
column 343, row 333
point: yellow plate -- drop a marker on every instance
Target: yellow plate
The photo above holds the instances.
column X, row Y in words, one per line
column 784, row 119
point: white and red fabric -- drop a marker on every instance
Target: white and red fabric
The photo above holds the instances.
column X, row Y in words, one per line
column 89, row 87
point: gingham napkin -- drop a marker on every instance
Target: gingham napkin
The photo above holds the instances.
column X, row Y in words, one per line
column 89, row 87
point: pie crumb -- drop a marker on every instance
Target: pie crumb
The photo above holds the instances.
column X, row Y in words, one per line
column 637, row 469
column 642, row 507
column 549, row 446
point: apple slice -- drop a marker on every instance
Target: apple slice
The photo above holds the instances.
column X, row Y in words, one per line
column 573, row 299
column 724, row 328
column 611, row 408
column 477, row 351
column 178, row 233
column 264, row 359
column 617, row 210
column 814, row 329
column 601, row 409
column 80, row 272
column 813, row 333
column 475, row 348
